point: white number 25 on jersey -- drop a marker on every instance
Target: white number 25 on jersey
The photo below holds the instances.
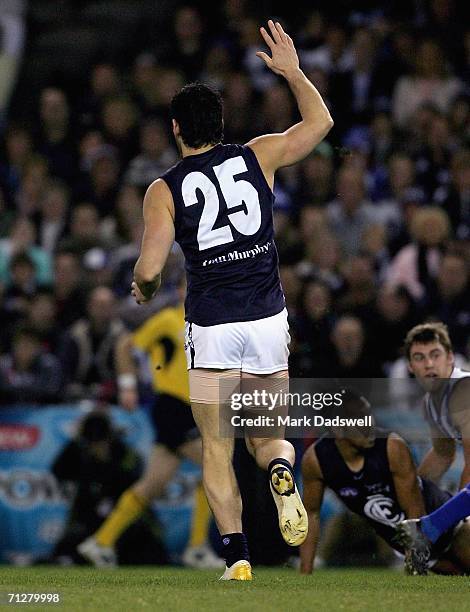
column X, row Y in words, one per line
column 235, row 192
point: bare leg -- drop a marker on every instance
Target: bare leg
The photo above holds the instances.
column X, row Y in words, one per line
column 219, row 480
column 278, row 456
column 264, row 450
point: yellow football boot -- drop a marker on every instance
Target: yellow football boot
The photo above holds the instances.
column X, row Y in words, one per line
column 293, row 520
column 241, row 570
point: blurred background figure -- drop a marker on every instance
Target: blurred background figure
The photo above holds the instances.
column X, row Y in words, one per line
column 88, row 349
column 100, row 466
column 29, row 374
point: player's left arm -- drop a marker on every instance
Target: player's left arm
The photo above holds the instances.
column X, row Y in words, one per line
column 405, row 478
column 159, row 235
column 459, row 408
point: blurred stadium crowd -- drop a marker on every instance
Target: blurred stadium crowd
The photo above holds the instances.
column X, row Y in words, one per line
column 373, row 228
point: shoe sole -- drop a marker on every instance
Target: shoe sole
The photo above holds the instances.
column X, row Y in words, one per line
column 293, row 520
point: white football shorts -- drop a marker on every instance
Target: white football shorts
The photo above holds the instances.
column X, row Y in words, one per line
column 255, row 347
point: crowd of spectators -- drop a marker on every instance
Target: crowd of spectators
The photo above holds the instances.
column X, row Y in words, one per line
column 373, row 228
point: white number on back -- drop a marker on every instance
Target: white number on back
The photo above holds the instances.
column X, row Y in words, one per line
column 237, row 194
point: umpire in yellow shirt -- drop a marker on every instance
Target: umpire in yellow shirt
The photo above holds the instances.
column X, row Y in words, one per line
column 161, row 338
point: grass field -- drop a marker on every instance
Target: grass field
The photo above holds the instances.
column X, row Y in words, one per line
column 170, row 589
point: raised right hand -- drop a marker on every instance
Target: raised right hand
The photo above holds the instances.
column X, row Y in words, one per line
column 284, row 60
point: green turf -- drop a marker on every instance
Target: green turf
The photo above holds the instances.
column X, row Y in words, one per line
column 170, row 589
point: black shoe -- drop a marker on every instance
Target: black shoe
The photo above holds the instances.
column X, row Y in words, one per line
column 417, row 547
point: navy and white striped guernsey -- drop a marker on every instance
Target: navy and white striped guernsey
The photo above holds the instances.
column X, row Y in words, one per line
column 224, row 225
column 439, row 414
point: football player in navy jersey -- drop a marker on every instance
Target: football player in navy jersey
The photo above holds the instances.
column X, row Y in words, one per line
column 447, row 407
column 373, row 473
column 217, row 204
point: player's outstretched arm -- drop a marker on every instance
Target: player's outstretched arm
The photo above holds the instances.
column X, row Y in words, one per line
column 313, row 496
column 276, row 150
column 159, row 235
column 405, row 478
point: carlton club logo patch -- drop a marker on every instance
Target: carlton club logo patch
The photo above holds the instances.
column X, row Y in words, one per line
column 380, row 508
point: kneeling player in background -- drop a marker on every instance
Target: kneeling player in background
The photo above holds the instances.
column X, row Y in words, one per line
column 373, row 473
column 178, row 438
column 431, row 359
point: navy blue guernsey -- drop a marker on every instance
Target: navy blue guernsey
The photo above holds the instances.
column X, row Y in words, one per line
column 224, row 225
column 370, row 492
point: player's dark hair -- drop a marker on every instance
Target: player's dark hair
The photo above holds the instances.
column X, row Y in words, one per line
column 198, row 110
column 425, row 333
